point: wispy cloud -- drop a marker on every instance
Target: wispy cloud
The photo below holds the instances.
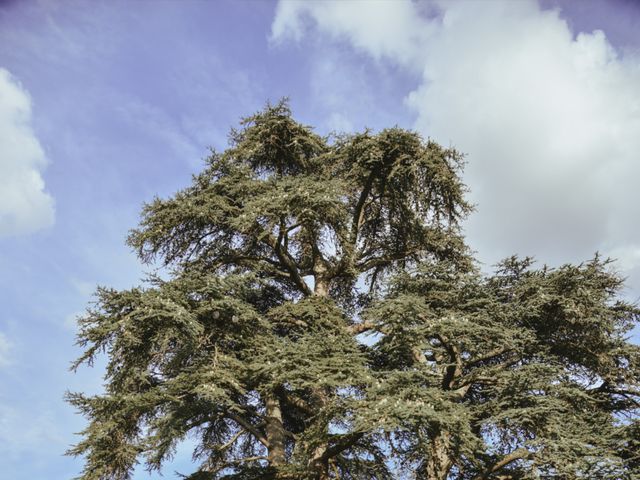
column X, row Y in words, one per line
column 23, row 431
column 25, row 206
column 5, row 350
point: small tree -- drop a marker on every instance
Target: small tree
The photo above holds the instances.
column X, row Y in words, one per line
column 283, row 252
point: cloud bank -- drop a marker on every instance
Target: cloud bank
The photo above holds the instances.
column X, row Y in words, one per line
column 550, row 120
column 24, row 205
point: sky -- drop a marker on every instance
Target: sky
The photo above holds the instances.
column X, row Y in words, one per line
column 104, row 105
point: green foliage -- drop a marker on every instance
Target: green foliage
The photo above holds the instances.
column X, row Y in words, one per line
column 283, row 253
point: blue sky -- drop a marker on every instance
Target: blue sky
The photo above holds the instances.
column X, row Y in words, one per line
column 105, row 104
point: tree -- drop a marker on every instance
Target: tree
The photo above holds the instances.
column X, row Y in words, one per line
column 283, row 254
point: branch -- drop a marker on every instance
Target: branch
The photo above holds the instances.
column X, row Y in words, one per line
column 287, row 261
column 418, row 356
column 232, row 440
column 251, row 459
column 471, row 378
column 248, row 426
column 358, row 213
column 489, row 356
column 361, row 327
column 344, row 442
column 455, row 370
column 383, row 261
column 237, row 461
column 519, row 454
column 296, row 402
column 606, row 387
column 239, row 259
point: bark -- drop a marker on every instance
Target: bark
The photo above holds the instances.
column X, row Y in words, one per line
column 274, row 430
column 519, row 454
column 439, row 462
column 321, row 276
column 318, row 462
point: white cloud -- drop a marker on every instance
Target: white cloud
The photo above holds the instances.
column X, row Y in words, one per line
column 24, row 205
column 383, row 29
column 550, row 121
column 5, row 349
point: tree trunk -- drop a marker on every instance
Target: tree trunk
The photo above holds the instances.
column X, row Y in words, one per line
column 274, row 430
column 317, row 463
column 320, row 278
column 439, row 463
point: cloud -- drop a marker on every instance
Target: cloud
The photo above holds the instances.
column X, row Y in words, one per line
column 24, row 205
column 550, row 120
column 5, row 349
column 382, row 29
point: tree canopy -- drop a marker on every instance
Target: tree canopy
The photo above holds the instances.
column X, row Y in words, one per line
column 323, row 318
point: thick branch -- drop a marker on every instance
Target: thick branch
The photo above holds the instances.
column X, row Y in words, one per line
column 287, row 261
column 358, row 328
column 358, row 213
column 519, row 454
column 454, row 370
column 343, row 443
column 383, row 261
column 474, row 377
column 488, row 356
column 296, row 402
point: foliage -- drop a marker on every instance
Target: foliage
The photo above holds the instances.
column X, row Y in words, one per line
column 324, row 319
